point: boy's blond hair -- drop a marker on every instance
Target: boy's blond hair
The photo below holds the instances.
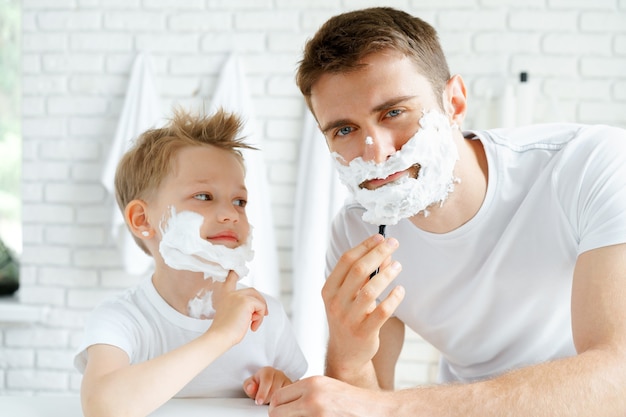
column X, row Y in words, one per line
column 144, row 166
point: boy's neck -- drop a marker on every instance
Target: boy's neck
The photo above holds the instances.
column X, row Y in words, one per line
column 177, row 288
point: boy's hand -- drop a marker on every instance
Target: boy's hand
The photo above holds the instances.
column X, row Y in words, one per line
column 236, row 310
column 262, row 385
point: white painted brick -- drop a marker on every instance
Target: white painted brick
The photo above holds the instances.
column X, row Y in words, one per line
column 31, row 64
column 135, row 21
column 168, row 42
column 31, row 235
column 92, row 126
column 43, row 84
column 36, row 337
column 73, row 193
column 110, row 4
column 286, row 42
column 43, row 255
column 283, row 194
column 583, row 4
column 38, row 380
column 602, row 21
column 284, row 85
column 59, row 359
column 285, row 129
column 68, row 277
column 49, row 171
column 572, row 88
column 545, row 65
column 16, row 358
column 457, row 20
column 478, row 64
column 88, row 299
column 546, row 21
column 497, row 42
column 32, row 193
column 86, row 172
column 49, row 296
column 619, row 90
column 73, row 63
column 118, row 279
column 512, row 3
column 75, row 235
column 620, row 45
column 122, row 63
column 47, row 213
column 197, row 65
column 96, row 258
column 174, row 4
column 179, row 86
column 73, row 150
column 69, row 21
column 455, row 43
column 603, row 67
column 33, row 106
column 577, row 44
column 602, row 112
column 226, row 42
column 276, row 20
column 240, row 4
column 114, row 42
column 288, row 106
column 77, row 105
column 95, row 215
column 43, row 42
column 47, row 4
column 43, row 127
column 68, row 319
column 75, row 381
column 213, row 21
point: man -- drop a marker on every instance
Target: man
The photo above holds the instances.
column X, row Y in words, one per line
column 508, row 246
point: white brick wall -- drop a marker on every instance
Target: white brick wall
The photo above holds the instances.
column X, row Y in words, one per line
column 76, row 60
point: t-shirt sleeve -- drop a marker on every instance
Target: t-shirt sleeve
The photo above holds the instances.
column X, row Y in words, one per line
column 106, row 324
column 592, row 187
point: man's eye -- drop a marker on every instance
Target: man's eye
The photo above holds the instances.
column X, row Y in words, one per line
column 203, row 197
column 240, row 202
column 344, row 131
column 394, row 113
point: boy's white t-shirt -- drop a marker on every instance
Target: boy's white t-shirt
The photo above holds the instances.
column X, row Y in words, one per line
column 495, row 294
column 144, row 326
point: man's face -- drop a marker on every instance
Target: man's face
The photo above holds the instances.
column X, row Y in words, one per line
column 384, row 101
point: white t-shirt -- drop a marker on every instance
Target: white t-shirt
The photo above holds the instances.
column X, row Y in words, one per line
column 144, row 326
column 494, row 294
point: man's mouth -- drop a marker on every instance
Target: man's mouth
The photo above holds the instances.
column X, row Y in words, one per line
column 373, row 184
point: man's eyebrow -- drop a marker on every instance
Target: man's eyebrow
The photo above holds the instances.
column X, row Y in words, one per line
column 386, row 105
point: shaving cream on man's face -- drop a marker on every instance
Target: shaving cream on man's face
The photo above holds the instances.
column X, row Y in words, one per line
column 432, row 149
column 183, row 248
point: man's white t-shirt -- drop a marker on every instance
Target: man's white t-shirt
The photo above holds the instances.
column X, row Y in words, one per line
column 495, row 294
column 144, row 326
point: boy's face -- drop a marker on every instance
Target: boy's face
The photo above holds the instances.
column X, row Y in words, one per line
column 373, row 111
column 211, row 182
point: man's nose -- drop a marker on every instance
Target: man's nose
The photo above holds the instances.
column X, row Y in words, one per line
column 377, row 147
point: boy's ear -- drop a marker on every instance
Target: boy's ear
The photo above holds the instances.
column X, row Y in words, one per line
column 136, row 217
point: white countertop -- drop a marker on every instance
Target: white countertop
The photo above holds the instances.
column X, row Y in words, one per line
column 15, row 406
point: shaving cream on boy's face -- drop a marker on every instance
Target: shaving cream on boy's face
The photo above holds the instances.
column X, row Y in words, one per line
column 432, row 149
column 183, row 248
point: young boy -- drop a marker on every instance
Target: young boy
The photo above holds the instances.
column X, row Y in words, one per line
column 184, row 331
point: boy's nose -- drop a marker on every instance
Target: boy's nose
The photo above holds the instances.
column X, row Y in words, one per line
column 227, row 213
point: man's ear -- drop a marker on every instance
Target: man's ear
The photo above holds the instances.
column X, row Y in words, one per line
column 136, row 217
column 455, row 100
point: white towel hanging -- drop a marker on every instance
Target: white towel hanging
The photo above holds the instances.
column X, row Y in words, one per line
column 232, row 95
column 141, row 111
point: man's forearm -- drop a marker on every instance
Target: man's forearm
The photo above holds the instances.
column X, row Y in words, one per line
column 590, row 384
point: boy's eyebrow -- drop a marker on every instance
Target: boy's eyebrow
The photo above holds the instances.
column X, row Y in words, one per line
column 383, row 106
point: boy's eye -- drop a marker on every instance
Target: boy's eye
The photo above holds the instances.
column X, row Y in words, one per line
column 203, row 197
column 240, row 202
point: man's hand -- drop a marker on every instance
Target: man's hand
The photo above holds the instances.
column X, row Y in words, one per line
column 354, row 317
column 264, row 383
